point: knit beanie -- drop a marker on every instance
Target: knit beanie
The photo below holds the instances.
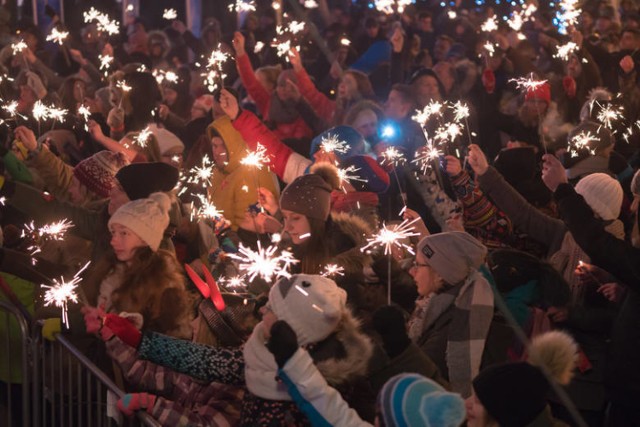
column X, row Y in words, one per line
column 453, row 254
column 514, row 394
column 308, row 195
column 34, row 82
column 415, row 401
column 603, row 194
column 139, row 180
column 148, row 218
column 374, row 178
column 104, row 95
column 541, row 92
column 312, row 305
column 97, row 172
column 167, row 141
column 354, row 142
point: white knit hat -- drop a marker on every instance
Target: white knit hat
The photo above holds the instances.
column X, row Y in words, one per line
column 603, row 194
column 166, row 140
column 312, row 305
column 148, row 218
column 453, row 254
column 34, row 82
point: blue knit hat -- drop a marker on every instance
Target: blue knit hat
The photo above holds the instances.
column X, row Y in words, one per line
column 412, row 400
column 354, row 142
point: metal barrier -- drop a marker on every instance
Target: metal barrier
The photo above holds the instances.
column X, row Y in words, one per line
column 59, row 385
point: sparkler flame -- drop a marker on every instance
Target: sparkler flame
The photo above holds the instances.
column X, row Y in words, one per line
column 529, row 84
column 170, row 14
column 243, row 6
column 565, row 50
column 393, row 157
column 332, row 270
column 432, row 109
column 263, row 262
column 582, row 141
column 331, row 143
column 57, row 36
column 491, row 24
column 62, row 292
column 18, row 46
column 389, row 237
column 206, row 210
column 257, row 158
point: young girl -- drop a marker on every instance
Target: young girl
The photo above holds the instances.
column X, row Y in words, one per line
column 137, row 276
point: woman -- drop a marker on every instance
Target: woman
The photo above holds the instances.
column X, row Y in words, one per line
column 138, row 277
column 315, row 308
column 455, row 307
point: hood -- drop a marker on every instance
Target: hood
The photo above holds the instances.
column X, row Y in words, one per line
column 236, row 147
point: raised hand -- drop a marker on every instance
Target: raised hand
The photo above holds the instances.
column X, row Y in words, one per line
column 27, row 137
column 454, row 168
column 239, row 43
column 553, row 173
column 229, row 104
column 477, row 160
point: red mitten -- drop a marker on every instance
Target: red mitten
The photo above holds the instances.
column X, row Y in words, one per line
column 131, row 402
column 93, row 318
column 123, row 329
column 489, row 80
column 569, row 85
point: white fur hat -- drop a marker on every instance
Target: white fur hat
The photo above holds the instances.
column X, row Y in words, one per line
column 312, row 305
column 603, row 194
column 148, row 218
column 166, row 140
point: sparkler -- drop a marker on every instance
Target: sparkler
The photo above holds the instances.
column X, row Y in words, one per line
column 105, row 62
column 310, row 4
column 142, row 138
column 434, row 108
column 518, row 18
column 57, row 36
column 389, row 237
column 198, row 175
column 582, row 141
column 243, row 6
column 104, row 24
column 258, row 47
column 207, row 210
column 331, row 143
column 565, row 50
column 394, row 158
column 349, row 174
column 263, row 262
column 18, row 47
column 491, row 24
column 83, row 110
column 427, row 155
column 48, row 232
column 530, row 85
column 12, row 109
column 235, row 284
column 62, row 292
column 170, row 14
column 332, row 270
column 257, row 158
column 214, row 76
column 608, row 113
column 567, row 16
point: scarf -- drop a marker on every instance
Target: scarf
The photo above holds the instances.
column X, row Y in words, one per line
column 467, row 334
column 261, row 369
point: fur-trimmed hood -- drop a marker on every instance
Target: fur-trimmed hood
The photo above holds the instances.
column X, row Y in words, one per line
column 344, row 355
column 358, row 230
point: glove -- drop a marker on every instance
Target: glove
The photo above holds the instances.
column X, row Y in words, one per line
column 115, row 119
column 489, row 80
column 122, row 328
column 569, row 86
column 283, row 342
column 131, row 402
column 51, row 327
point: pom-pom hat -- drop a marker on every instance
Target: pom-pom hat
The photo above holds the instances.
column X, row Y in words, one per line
column 148, row 218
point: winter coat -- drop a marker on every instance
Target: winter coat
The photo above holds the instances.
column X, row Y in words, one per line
column 341, row 358
column 589, row 324
column 296, row 129
column 622, row 377
column 181, row 400
column 233, row 186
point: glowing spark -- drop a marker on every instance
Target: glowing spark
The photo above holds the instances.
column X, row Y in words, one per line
column 170, row 14
column 3, row 200
column 518, row 18
column 385, row 6
column 349, row 174
column 582, row 141
column 18, row 47
column 104, row 23
column 200, row 175
column 276, row 238
column 263, row 263
column 56, row 113
column 345, row 42
column 57, row 36
column 258, row 47
column 61, row 293
column 124, row 86
column 130, row 8
column 565, row 50
column 489, row 47
column 283, row 48
column 332, row 270
column 234, row 284
column 206, row 210
column 142, row 138
column 432, row 109
column 528, row 84
column 608, row 114
column 295, row 27
column 392, row 156
column 12, row 109
column 452, row 14
column 460, row 111
column 388, row 237
column 426, row 156
column 257, row 158
column 490, row 24
column 105, row 61
column 40, row 111
column 242, row 6
column 331, row 143
column 567, row 16
column 449, row 131
column 310, row 4
column 84, row 112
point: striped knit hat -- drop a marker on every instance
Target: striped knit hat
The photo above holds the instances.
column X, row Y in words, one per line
column 97, row 172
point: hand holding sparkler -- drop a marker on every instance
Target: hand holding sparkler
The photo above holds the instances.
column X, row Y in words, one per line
column 239, row 43
column 477, row 160
column 295, row 60
column 27, row 137
column 627, row 64
column 267, row 200
column 452, row 166
column 229, row 104
column 553, row 173
column 418, row 224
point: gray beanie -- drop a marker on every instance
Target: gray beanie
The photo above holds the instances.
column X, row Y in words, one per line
column 454, row 255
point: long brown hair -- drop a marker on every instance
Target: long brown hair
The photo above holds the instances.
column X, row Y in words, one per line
column 316, row 251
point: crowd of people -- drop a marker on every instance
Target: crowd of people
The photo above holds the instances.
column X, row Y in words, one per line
column 393, row 219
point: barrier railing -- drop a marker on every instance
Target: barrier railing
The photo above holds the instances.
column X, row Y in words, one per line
column 58, row 385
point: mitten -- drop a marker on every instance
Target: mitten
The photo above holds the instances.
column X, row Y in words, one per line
column 51, row 327
column 131, row 402
column 489, row 80
column 122, row 328
column 569, row 86
column 283, row 342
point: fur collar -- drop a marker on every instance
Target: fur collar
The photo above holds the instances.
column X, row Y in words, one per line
column 356, row 229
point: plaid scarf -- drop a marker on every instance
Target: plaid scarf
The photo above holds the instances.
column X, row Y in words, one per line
column 471, row 319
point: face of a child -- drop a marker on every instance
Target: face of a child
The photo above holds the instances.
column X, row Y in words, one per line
column 477, row 415
column 124, row 242
column 296, row 225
